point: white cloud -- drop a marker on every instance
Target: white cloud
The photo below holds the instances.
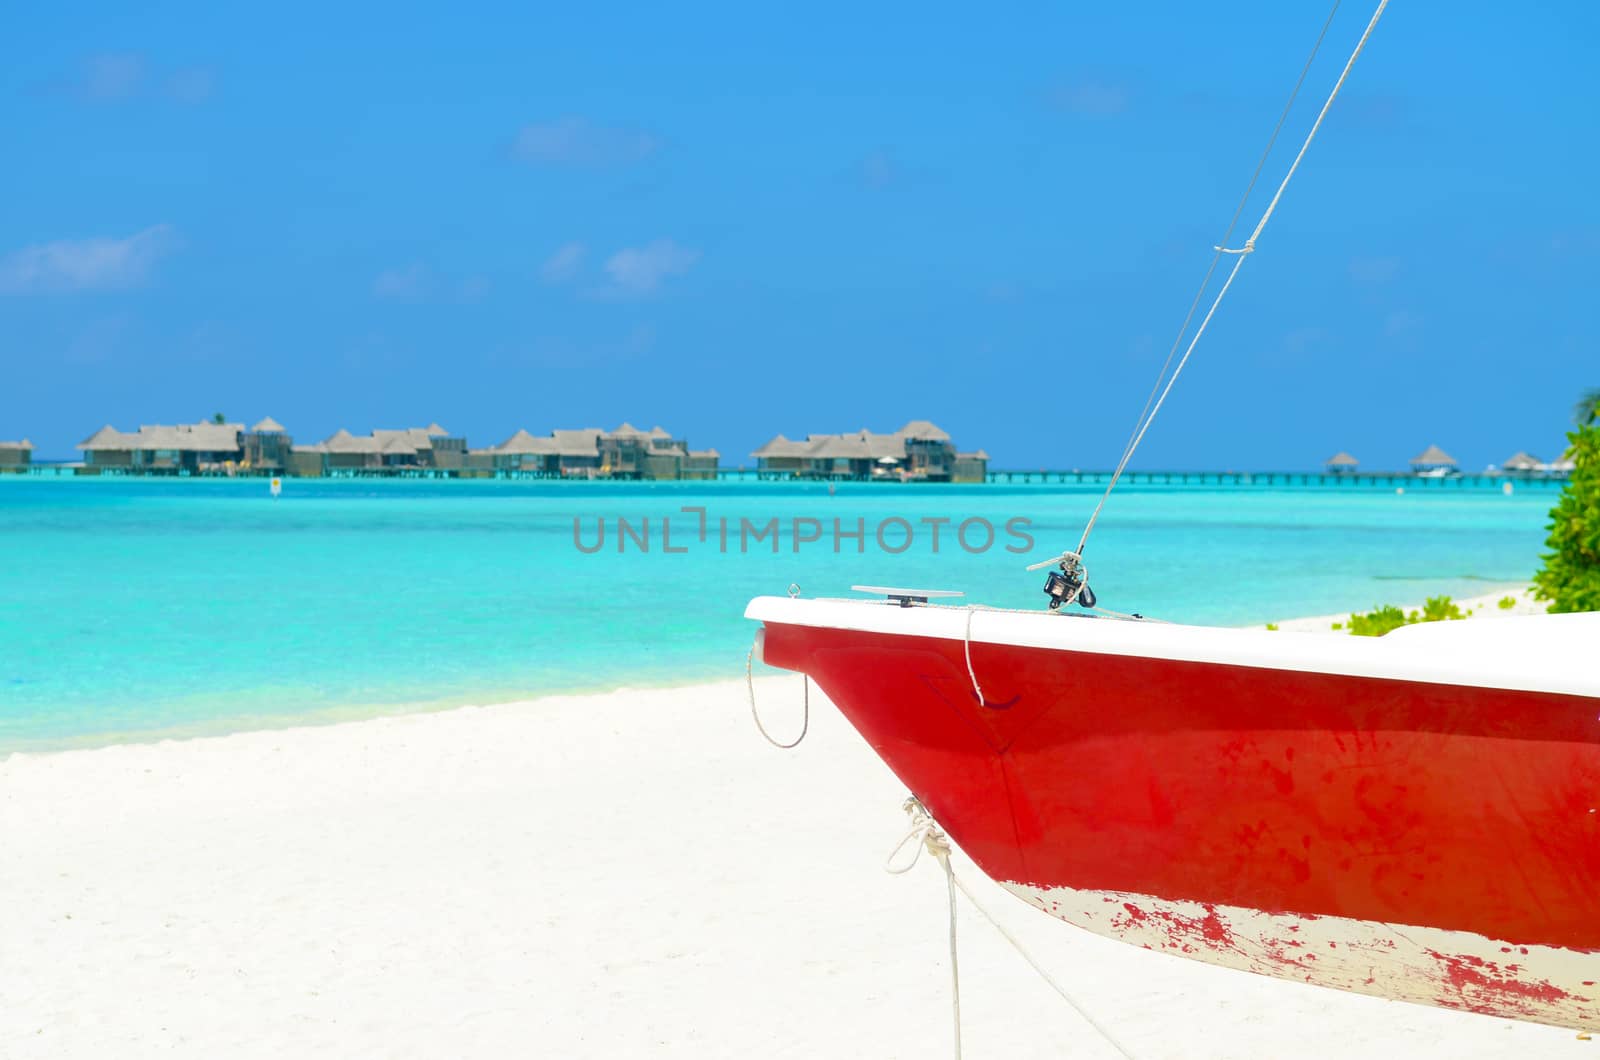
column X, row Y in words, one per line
column 1402, row 323
column 412, row 281
column 85, row 264
column 877, row 170
column 1090, row 98
column 194, row 84
column 563, row 264
column 640, row 270
column 577, row 142
column 1300, row 342
column 121, row 77
column 1374, row 272
column 109, row 77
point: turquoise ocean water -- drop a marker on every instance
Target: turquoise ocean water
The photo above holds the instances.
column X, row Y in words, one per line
column 135, row 608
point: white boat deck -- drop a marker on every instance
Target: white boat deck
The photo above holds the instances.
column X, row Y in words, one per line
column 1536, row 653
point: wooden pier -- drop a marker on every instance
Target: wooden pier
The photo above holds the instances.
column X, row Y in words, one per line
column 1045, row 476
column 1331, row 480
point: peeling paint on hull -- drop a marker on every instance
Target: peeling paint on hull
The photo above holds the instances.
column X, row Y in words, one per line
column 1450, row 969
column 1168, row 801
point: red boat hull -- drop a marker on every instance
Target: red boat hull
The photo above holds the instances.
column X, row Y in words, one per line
column 1417, row 840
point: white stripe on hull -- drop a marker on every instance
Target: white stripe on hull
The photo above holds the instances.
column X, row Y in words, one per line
column 1452, row 969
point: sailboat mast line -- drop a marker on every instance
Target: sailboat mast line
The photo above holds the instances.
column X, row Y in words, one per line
column 1205, row 284
column 1241, row 253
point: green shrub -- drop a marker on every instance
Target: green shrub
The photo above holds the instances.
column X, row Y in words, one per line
column 1440, row 609
column 1272, row 626
column 1570, row 577
column 1507, row 603
column 1378, row 621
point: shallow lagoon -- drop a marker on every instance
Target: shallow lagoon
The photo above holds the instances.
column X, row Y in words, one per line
column 131, row 607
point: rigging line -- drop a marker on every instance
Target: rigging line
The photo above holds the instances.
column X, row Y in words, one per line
column 1238, row 211
column 1250, row 243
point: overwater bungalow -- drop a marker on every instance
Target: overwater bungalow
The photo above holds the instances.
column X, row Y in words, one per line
column 626, row 452
column 429, row 448
column 16, row 456
column 181, row 449
column 919, row 451
column 565, row 452
column 1341, row 463
column 1521, row 464
column 266, row 447
column 186, row 449
column 1434, row 461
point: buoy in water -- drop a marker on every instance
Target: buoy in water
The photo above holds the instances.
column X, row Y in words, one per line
column 1505, row 487
column 277, row 486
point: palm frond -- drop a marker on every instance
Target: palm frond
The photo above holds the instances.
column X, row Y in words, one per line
column 1587, row 411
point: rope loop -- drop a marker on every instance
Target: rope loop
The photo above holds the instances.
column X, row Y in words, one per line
column 924, row 834
column 966, row 646
column 750, row 684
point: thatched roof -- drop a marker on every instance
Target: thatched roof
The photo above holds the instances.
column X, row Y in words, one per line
column 979, row 455
column 342, row 441
column 838, row 447
column 107, row 437
column 187, row 437
column 24, row 444
column 1521, row 461
column 923, row 430
column 578, row 443
column 780, row 446
column 1342, row 459
column 860, row 445
column 705, row 454
column 857, row 445
column 522, row 443
column 268, row 426
column 405, row 441
column 627, row 430
column 191, row 437
column 433, row 430
column 1435, row 456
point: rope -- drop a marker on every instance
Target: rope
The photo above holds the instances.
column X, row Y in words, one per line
column 966, row 646
column 925, row 830
column 1148, row 414
column 928, row 837
column 1034, row 964
column 750, row 683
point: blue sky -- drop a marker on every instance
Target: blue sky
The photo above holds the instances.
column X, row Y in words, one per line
column 735, row 221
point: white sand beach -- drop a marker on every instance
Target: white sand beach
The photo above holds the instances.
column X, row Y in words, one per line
column 1488, row 605
column 630, row 874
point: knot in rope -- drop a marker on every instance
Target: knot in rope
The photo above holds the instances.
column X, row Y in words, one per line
column 924, row 834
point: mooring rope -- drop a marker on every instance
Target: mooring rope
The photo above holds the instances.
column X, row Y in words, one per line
column 805, row 700
column 926, row 835
column 1148, row 414
column 966, row 646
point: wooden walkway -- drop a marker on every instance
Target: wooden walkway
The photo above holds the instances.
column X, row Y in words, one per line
column 1075, row 476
